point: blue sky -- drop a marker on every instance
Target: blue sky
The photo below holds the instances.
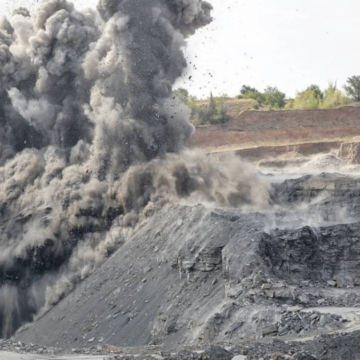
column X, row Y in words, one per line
column 285, row 43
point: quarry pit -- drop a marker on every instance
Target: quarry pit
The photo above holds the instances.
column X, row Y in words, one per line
column 284, row 280
column 126, row 233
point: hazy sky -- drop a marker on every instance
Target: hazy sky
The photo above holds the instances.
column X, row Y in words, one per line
column 285, row 43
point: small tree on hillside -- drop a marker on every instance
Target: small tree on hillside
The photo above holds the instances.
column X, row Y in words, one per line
column 247, row 89
column 255, row 95
column 333, row 98
column 212, row 106
column 216, row 112
column 316, row 91
column 353, row 87
column 311, row 98
column 274, row 98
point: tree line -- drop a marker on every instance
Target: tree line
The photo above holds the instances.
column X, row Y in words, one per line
column 311, row 98
column 213, row 110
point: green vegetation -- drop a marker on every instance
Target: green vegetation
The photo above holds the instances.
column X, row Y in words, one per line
column 183, row 95
column 247, row 89
column 255, row 95
column 215, row 110
column 211, row 111
column 314, row 98
column 334, row 98
column 274, row 98
column 271, row 98
column 307, row 99
column 353, row 87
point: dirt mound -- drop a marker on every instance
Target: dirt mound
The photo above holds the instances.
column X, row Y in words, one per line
column 292, row 119
column 252, row 129
column 216, row 139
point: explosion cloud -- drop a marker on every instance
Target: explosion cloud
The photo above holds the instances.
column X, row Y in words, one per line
column 92, row 139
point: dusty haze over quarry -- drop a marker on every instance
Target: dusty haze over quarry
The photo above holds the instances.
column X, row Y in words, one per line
column 115, row 234
column 92, row 140
column 265, row 43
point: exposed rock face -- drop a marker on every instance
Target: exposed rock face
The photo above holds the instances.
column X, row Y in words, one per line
column 318, row 200
column 226, row 280
column 146, row 291
column 350, row 152
column 306, row 188
column 209, row 258
column 318, row 255
column 195, row 276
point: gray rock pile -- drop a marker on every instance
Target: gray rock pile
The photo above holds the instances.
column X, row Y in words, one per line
column 22, row 348
column 301, row 323
column 193, row 276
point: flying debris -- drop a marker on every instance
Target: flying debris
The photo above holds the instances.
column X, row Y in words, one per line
column 92, row 140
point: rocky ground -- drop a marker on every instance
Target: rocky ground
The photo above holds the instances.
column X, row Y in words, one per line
column 331, row 347
column 283, row 283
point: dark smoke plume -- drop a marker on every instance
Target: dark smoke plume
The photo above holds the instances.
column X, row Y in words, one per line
column 92, row 140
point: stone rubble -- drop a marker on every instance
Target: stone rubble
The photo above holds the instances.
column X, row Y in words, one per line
column 301, row 323
column 220, row 277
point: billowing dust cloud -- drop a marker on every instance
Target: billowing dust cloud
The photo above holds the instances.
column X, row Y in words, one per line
column 92, row 140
